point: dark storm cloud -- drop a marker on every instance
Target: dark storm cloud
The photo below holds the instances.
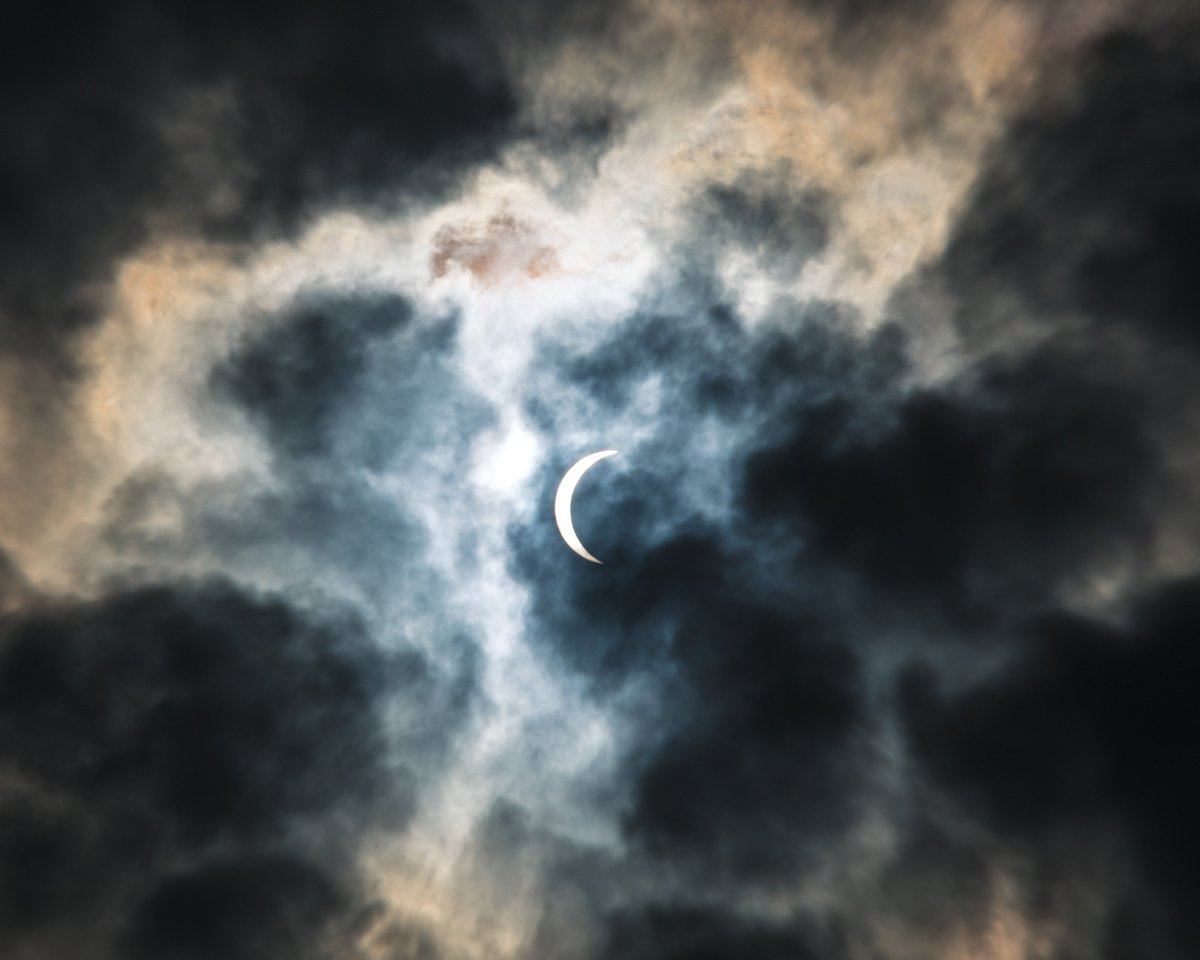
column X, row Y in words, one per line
column 1052, row 462
column 238, row 119
column 754, row 756
column 759, row 764
column 974, row 498
column 711, row 933
column 1091, row 201
column 265, row 906
column 1092, row 724
column 175, row 755
column 239, row 909
column 195, row 699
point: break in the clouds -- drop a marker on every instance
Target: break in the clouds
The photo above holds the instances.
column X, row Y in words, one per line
column 888, row 307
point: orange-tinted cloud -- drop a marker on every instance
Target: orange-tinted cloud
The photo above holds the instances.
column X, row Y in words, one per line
column 502, row 247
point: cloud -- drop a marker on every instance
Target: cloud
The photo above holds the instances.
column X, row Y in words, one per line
column 506, row 245
column 342, row 391
column 1085, row 206
column 743, row 761
column 883, row 305
column 238, row 909
column 168, row 746
column 987, row 493
column 796, row 491
column 1080, row 731
column 679, row 931
column 294, row 377
column 775, row 224
column 241, row 123
column 13, row 588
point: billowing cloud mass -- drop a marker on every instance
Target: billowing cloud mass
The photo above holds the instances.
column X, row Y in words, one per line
column 890, row 310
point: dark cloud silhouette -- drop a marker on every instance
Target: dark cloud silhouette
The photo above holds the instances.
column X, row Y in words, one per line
column 753, row 758
column 1088, row 204
column 983, row 494
column 681, row 932
column 248, row 908
column 1084, row 727
column 759, row 764
column 239, row 121
column 152, row 731
column 1073, row 242
column 195, row 699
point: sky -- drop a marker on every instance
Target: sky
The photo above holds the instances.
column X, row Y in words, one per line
column 891, row 311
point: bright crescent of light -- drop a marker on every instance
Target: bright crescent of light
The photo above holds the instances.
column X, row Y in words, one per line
column 562, row 501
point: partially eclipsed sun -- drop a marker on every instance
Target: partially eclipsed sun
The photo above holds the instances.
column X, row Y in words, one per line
column 562, row 501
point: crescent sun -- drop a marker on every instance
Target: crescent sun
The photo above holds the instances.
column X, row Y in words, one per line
column 562, row 501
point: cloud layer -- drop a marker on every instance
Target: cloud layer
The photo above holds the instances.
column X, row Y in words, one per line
column 887, row 308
